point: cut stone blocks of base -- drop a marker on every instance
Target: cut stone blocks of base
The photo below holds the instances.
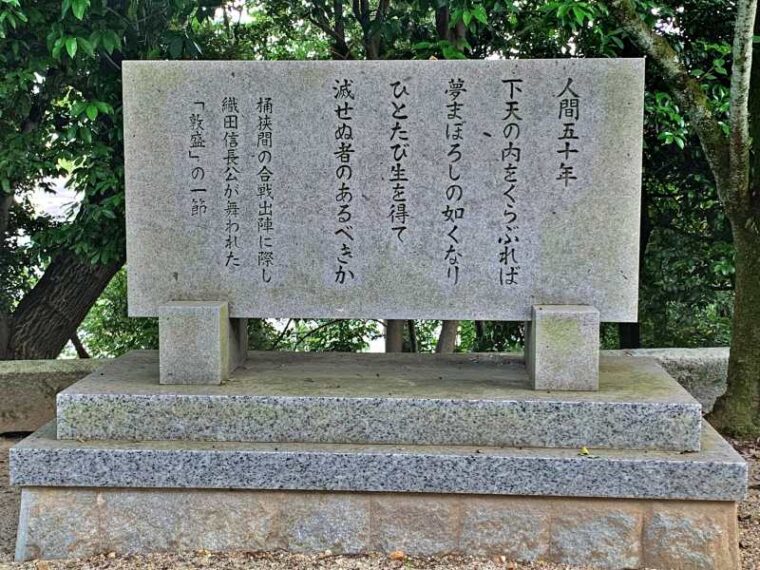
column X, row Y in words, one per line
column 71, row 522
column 459, row 399
column 562, row 349
column 198, row 343
column 717, row 472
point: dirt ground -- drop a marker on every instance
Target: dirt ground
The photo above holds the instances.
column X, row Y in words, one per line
column 749, row 544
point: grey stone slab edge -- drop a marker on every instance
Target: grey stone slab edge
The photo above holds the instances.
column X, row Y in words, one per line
column 405, row 421
column 716, row 473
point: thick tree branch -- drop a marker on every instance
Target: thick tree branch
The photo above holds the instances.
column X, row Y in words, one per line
column 382, row 10
column 372, row 38
column 338, row 35
column 79, row 347
column 685, row 89
column 357, row 10
column 51, row 312
column 741, row 67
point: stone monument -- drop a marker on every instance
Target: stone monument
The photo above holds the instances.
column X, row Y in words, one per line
column 489, row 190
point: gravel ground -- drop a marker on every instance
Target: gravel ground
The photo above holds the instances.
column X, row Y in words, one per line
column 749, row 526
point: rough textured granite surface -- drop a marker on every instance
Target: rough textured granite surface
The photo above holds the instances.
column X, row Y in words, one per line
column 715, row 473
column 562, row 349
column 194, row 342
column 617, row 534
column 461, row 399
column 33, row 384
column 702, row 371
column 558, row 169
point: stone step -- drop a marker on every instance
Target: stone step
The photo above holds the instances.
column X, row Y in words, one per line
column 407, row 399
column 716, row 473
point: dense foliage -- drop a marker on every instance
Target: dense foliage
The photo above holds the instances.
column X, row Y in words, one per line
column 60, row 116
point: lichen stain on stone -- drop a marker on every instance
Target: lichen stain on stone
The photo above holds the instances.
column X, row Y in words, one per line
column 563, row 335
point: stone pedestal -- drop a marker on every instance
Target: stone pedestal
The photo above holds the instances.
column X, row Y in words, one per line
column 562, row 347
column 429, row 454
column 199, row 343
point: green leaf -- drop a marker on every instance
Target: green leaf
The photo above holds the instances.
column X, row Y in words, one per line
column 78, row 7
column 450, row 52
column 108, row 43
column 86, row 46
column 579, row 15
column 479, row 12
column 92, row 111
column 57, row 47
column 103, row 107
column 78, row 108
column 86, row 134
column 71, row 46
column 467, row 17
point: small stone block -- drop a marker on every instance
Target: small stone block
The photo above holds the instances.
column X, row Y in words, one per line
column 194, row 342
column 606, row 536
column 562, row 348
column 427, row 526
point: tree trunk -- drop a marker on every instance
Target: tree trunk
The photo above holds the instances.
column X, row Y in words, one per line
column 447, row 340
column 737, row 412
column 49, row 315
column 340, row 47
column 394, row 335
column 412, row 330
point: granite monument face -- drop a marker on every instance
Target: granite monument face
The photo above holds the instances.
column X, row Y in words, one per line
column 404, row 189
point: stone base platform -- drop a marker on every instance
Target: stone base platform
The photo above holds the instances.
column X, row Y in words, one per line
column 407, row 399
column 716, row 473
column 610, row 508
column 79, row 522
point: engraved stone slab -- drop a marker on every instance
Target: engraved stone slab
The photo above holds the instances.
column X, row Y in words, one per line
column 397, row 189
